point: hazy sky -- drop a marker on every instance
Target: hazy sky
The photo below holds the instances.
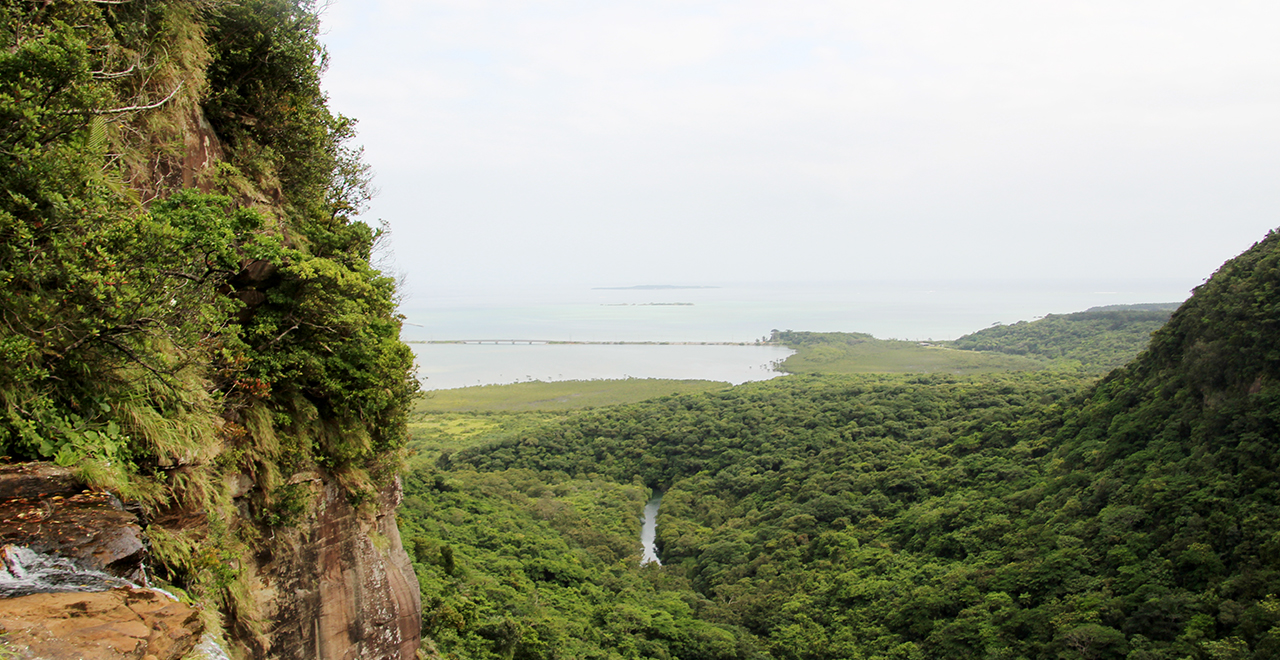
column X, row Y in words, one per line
column 621, row 142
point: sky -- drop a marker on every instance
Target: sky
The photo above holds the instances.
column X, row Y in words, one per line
column 628, row 142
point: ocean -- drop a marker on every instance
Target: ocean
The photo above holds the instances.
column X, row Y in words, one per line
column 691, row 329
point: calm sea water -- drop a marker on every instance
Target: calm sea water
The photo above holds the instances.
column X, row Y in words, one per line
column 445, row 366
column 726, row 313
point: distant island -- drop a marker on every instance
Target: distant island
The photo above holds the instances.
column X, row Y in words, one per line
column 649, row 287
column 654, row 304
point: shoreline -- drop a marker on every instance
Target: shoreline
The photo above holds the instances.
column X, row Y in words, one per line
column 545, row 342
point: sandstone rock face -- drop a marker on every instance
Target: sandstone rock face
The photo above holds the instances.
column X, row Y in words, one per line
column 34, row 480
column 43, row 507
column 106, row 625
column 336, row 586
column 340, row 586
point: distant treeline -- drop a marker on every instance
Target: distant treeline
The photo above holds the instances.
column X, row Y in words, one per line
column 1099, row 339
column 1038, row 515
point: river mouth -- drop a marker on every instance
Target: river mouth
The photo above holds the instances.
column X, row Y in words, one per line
column 649, row 532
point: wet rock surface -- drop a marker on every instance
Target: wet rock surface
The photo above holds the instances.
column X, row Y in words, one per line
column 45, row 508
column 337, row 585
column 34, row 480
column 24, row 571
column 106, row 625
column 333, row 592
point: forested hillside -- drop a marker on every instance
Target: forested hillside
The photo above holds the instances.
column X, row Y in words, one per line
column 1096, row 340
column 189, row 315
column 1031, row 515
column 860, row 353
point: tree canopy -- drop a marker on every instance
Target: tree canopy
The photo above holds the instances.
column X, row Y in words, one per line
column 1025, row 515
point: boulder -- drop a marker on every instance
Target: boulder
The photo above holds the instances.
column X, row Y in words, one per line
column 45, row 508
column 105, row 625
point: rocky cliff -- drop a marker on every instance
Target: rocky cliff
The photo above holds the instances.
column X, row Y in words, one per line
column 339, row 585
column 192, row 327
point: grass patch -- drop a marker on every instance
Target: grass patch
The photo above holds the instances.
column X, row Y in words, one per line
column 431, row 435
column 858, row 353
column 559, row 395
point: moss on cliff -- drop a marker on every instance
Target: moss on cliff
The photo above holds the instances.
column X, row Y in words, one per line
column 189, row 301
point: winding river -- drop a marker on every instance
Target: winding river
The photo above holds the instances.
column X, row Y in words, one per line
column 649, row 532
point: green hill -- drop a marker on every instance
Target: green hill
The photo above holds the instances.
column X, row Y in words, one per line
column 860, row 353
column 1098, row 340
column 1019, row 515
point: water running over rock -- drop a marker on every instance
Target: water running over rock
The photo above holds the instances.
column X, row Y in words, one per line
column 649, row 532
column 26, row 571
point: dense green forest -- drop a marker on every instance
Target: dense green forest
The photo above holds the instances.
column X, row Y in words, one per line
column 1036, row 514
column 1095, row 340
column 188, row 295
column 860, row 353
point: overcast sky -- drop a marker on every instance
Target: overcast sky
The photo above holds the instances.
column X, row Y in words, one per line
column 621, row 142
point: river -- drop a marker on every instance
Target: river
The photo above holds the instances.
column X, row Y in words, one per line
column 24, row 571
column 649, row 532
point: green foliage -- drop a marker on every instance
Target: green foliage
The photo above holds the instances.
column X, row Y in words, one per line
column 162, row 339
column 859, row 353
column 113, row 311
column 559, row 395
column 118, row 315
column 1005, row 516
column 265, row 100
column 1098, row 340
column 512, row 565
column 326, row 344
column 322, row 346
column 287, row 504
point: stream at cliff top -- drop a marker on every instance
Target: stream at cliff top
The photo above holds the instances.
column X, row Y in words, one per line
column 24, row 571
column 649, row 532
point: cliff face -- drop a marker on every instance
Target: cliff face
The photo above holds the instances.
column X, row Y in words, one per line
column 339, row 585
column 192, row 324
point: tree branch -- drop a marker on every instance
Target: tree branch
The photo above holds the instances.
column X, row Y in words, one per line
column 273, row 341
column 104, row 75
column 133, row 357
column 133, row 108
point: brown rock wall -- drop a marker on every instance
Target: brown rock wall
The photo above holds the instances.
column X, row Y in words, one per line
column 45, row 508
column 105, row 625
column 339, row 585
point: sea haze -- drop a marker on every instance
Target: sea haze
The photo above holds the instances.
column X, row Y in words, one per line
column 719, row 313
column 446, row 366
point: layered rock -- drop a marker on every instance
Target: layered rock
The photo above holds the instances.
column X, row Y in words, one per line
column 336, row 586
column 45, row 508
column 339, row 585
column 106, row 625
